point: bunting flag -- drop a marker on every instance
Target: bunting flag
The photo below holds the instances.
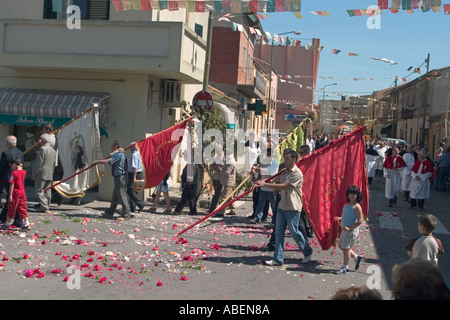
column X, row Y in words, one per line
column 327, row 173
column 335, row 51
column 78, row 145
column 159, row 151
column 321, row 13
column 254, row 6
column 446, row 8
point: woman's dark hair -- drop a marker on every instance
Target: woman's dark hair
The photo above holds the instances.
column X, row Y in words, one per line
column 354, row 190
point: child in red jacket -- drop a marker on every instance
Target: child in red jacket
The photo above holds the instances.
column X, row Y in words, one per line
column 17, row 199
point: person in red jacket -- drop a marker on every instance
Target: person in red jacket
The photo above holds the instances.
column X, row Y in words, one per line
column 392, row 168
column 421, row 173
column 17, row 199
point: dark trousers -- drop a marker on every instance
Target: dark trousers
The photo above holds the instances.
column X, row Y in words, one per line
column 119, row 196
column 215, row 199
column 132, row 194
column 188, row 195
column 420, row 203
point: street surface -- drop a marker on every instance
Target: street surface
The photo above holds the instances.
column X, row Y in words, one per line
column 219, row 259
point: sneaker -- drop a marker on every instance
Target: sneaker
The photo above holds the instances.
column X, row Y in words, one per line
column 307, row 259
column 271, row 263
column 254, row 221
column 6, row 226
column 26, row 227
column 341, row 271
column 358, row 261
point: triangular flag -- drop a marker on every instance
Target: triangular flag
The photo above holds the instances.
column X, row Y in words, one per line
column 446, row 8
column 145, row 5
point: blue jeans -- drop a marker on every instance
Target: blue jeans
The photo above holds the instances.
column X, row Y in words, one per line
column 288, row 219
column 263, row 195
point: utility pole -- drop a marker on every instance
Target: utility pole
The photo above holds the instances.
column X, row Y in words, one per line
column 425, row 102
column 394, row 120
column 208, row 52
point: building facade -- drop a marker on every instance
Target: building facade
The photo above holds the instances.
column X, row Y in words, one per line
column 236, row 73
column 297, row 69
column 417, row 111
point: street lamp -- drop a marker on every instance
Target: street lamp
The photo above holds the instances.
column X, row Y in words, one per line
column 270, row 73
column 323, row 101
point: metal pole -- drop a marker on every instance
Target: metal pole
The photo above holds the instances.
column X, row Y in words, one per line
column 208, row 52
column 269, row 104
column 425, row 101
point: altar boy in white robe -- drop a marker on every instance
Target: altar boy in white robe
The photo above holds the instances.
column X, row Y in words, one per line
column 410, row 159
column 392, row 167
column 421, row 173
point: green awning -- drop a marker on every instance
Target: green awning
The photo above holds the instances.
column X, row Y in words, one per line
column 35, row 107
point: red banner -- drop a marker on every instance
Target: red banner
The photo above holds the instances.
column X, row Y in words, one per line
column 327, row 173
column 159, row 151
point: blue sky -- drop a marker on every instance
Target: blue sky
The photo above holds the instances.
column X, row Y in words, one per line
column 404, row 38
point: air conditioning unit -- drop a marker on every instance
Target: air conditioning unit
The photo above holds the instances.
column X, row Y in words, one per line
column 171, row 93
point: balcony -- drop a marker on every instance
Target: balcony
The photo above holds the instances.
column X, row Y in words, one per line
column 256, row 90
column 164, row 49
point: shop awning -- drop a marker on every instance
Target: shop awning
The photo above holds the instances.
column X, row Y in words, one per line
column 36, row 107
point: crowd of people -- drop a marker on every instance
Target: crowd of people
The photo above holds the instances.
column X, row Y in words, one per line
column 410, row 170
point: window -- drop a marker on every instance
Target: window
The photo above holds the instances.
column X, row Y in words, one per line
column 90, row 9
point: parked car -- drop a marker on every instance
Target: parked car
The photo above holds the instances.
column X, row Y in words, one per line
column 396, row 141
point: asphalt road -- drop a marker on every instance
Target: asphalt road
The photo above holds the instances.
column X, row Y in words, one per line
column 75, row 254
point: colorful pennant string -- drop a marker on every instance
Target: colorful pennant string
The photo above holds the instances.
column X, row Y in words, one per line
column 263, row 6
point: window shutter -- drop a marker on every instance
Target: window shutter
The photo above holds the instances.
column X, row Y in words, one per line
column 99, row 10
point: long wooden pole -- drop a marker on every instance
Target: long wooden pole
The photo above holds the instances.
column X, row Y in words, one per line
column 92, row 165
column 59, row 129
column 222, row 206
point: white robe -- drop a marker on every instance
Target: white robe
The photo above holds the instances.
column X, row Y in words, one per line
column 380, row 160
column 393, row 184
column 406, row 173
column 420, row 189
column 371, row 164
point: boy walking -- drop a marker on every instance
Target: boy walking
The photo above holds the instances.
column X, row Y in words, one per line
column 17, row 199
column 426, row 247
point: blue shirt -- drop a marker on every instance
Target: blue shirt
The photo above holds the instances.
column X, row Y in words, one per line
column 135, row 162
column 444, row 160
column 118, row 162
column 348, row 216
